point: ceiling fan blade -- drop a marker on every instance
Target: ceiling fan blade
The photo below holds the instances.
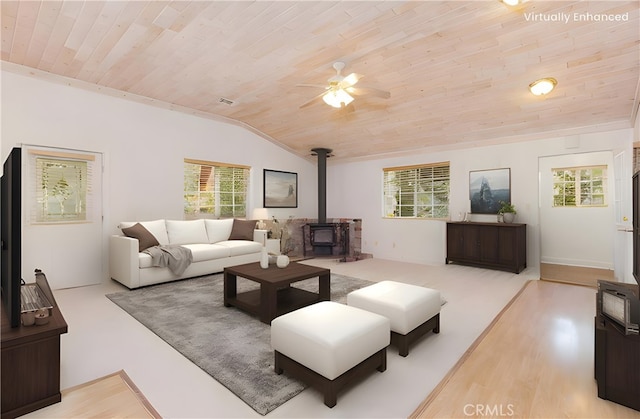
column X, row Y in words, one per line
column 369, row 91
column 347, row 108
column 350, row 80
column 345, row 113
column 313, row 100
column 320, row 86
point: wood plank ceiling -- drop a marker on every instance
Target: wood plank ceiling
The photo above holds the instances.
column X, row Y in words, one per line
column 457, row 71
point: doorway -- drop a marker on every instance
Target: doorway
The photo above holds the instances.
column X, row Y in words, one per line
column 62, row 231
column 576, row 241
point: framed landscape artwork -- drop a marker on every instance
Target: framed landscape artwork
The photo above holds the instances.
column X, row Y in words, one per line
column 280, row 189
column 487, row 188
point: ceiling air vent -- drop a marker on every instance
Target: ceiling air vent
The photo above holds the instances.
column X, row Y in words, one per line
column 225, row 101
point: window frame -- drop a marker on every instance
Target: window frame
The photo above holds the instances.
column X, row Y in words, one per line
column 59, row 175
column 418, row 200
column 238, row 198
column 577, row 185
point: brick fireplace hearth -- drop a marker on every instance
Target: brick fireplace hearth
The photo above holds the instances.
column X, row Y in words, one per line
column 336, row 237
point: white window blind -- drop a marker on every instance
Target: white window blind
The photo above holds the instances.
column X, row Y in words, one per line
column 215, row 190
column 62, row 189
column 420, row 191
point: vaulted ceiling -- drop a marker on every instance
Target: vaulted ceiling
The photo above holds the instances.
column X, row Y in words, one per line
column 457, row 71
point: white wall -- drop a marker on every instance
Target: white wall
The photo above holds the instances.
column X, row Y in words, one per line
column 143, row 148
column 563, row 236
column 355, row 188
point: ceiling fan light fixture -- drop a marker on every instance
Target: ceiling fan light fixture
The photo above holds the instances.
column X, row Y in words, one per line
column 512, row 3
column 543, row 86
column 337, row 97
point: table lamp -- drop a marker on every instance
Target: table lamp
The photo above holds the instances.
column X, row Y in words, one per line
column 260, row 214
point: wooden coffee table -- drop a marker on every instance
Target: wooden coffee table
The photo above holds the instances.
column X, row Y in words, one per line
column 275, row 296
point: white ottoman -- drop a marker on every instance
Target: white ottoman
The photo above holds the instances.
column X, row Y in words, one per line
column 412, row 310
column 328, row 344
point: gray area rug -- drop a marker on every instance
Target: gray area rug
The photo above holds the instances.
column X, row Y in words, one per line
column 232, row 346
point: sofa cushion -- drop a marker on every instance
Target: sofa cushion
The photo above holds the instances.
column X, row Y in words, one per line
column 242, row 229
column 241, row 247
column 187, row 232
column 202, row 252
column 218, row 230
column 145, row 238
column 158, row 228
column 145, row 260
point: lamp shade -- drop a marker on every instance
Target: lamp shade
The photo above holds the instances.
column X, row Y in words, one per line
column 337, row 97
column 260, row 214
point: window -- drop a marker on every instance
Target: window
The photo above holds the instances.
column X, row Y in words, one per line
column 61, row 191
column 580, row 186
column 417, row 191
column 215, row 190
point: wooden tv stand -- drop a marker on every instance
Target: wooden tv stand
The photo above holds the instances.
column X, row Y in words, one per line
column 617, row 361
column 30, row 365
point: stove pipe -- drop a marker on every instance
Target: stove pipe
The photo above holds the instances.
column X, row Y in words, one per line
column 323, row 154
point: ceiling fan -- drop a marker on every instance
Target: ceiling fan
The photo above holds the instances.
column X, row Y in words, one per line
column 340, row 89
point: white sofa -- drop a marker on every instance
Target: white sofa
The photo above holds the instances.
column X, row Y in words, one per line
column 214, row 244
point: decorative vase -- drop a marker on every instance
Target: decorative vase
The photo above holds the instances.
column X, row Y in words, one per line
column 508, row 217
column 282, row 261
column 264, row 259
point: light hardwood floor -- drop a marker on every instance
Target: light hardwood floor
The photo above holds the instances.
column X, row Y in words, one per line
column 535, row 360
column 113, row 396
column 574, row 274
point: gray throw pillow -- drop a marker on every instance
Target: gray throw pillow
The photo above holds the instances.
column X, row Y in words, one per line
column 145, row 238
column 242, row 230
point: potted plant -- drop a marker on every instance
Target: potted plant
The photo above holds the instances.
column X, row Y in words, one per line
column 508, row 211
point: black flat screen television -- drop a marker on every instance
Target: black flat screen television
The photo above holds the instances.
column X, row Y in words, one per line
column 11, row 235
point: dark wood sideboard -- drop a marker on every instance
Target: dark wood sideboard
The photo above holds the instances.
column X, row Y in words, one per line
column 501, row 246
column 30, row 365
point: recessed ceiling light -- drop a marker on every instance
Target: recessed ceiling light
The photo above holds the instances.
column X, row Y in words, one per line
column 543, row 86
